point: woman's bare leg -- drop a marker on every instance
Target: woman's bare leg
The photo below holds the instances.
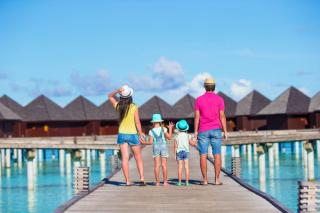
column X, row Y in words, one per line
column 164, row 171
column 124, row 148
column 137, row 156
column 157, row 163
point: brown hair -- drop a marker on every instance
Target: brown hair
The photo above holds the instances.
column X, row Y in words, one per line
column 123, row 107
column 210, row 87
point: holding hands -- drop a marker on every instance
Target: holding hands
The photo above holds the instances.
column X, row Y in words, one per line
column 171, row 125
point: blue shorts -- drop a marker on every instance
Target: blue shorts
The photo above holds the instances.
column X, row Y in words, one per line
column 182, row 155
column 131, row 139
column 212, row 137
column 160, row 150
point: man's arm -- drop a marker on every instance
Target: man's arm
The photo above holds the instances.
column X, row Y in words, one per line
column 196, row 122
column 224, row 123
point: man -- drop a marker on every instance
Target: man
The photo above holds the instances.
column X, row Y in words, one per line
column 209, row 122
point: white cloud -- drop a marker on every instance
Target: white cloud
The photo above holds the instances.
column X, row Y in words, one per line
column 240, row 88
column 166, row 75
column 95, row 84
column 195, row 87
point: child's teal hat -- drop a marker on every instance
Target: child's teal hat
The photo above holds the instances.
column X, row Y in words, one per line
column 182, row 125
column 156, row 118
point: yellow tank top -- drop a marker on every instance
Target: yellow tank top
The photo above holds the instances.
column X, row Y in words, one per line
column 128, row 124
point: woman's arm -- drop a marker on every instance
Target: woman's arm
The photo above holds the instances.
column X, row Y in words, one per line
column 112, row 99
column 168, row 135
column 138, row 123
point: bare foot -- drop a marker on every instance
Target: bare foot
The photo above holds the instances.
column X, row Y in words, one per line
column 205, row 182
column 165, row 183
column 157, row 184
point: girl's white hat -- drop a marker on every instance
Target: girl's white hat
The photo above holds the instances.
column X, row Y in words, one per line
column 126, row 92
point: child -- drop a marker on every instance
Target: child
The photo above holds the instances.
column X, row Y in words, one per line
column 181, row 149
column 158, row 136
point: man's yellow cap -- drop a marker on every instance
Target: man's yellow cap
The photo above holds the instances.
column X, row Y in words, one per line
column 209, row 81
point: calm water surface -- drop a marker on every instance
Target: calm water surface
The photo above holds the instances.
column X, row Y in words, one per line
column 53, row 185
column 281, row 180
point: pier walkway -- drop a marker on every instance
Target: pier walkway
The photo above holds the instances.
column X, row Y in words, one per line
column 113, row 197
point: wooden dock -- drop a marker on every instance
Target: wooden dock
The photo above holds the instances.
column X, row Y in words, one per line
column 114, row 197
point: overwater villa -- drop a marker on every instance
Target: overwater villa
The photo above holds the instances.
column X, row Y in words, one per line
column 247, row 109
column 17, row 125
column 8, row 121
column 42, row 117
column 288, row 111
column 184, row 108
column 152, row 106
column 314, row 110
column 84, row 117
column 109, row 119
column 230, row 111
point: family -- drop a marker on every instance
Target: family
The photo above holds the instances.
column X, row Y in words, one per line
column 209, row 128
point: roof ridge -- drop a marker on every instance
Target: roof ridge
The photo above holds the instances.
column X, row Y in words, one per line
column 42, row 99
column 83, row 107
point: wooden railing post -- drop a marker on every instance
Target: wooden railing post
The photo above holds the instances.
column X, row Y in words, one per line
column 236, row 162
column 310, row 160
column 308, row 197
column 236, row 166
column 81, row 179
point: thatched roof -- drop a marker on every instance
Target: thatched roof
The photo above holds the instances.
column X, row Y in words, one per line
column 251, row 104
column 291, row 101
column 107, row 111
column 81, row 109
column 184, row 107
column 12, row 105
column 230, row 105
column 156, row 105
column 315, row 103
column 43, row 109
column 7, row 114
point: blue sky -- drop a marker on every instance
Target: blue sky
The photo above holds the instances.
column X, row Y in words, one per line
column 66, row 48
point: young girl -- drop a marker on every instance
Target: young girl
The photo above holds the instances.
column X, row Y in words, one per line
column 158, row 136
column 130, row 133
column 181, row 149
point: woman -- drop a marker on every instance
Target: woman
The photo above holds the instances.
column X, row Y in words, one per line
column 130, row 133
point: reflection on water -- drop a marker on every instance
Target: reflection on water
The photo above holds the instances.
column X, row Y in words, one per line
column 280, row 180
column 48, row 187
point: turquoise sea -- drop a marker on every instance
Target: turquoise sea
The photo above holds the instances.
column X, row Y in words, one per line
column 53, row 185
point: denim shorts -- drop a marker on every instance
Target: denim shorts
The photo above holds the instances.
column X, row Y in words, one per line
column 131, row 139
column 182, row 155
column 212, row 137
column 160, row 149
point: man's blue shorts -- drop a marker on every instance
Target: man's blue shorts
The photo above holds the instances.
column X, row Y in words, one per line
column 131, row 139
column 212, row 137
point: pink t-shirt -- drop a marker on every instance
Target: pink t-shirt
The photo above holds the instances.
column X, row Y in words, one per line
column 209, row 106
